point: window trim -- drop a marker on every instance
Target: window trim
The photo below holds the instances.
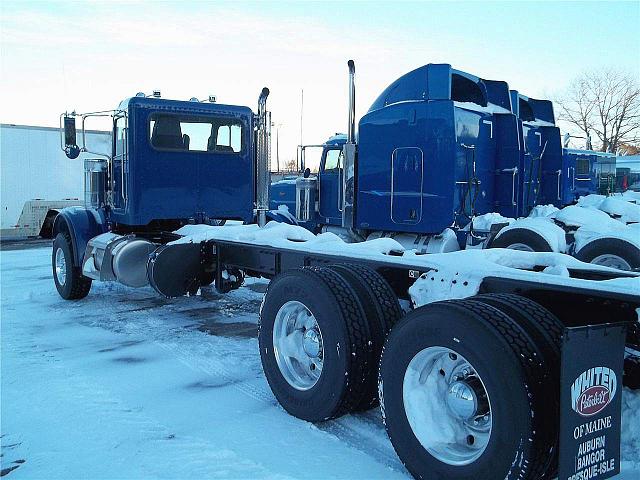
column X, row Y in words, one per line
column 242, row 124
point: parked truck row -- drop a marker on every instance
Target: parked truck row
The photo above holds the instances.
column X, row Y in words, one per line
column 484, row 362
column 490, row 155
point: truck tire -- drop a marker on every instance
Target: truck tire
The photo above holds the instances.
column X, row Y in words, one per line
column 521, row 239
column 382, row 311
column 611, row 252
column 447, row 364
column 545, row 331
column 69, row 281
column 314, row 343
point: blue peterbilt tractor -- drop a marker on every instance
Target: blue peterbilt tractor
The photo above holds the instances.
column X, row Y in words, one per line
column 173, row 163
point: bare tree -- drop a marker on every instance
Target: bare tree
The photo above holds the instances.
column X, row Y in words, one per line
column 291, row 165
column 606, row 103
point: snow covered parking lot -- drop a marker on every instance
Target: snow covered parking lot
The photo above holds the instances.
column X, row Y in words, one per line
column 125, row 384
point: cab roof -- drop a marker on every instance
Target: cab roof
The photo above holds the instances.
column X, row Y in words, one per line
column 182, row 105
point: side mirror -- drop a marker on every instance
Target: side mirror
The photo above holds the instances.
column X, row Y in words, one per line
column 71, row 148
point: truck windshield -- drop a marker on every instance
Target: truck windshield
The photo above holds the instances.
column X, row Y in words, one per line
column 195, row 133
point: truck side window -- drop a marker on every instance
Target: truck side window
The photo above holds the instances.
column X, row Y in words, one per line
column 228, row 138
column 195, row 133
column 582, row 166
column 333, row 161
column 119, row 136
column 466, row 90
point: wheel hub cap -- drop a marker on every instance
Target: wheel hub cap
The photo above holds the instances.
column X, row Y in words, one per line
column 461, row 400
column 612, row 261
column 521, row 247
column 447, row 406
column 297, row 345
column 311, row 343
column 61, row 267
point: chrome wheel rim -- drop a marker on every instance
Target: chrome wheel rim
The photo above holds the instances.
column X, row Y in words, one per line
column 522, row 247
column 612, row 261
column 447, row 406
column 61, row 267
column 297, row 344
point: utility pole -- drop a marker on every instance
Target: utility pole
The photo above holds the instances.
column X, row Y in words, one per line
column 278, row 145
column 301, row 115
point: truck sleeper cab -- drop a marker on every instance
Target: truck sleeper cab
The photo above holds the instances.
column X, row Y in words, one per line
column 431, row 150
column 437, row 147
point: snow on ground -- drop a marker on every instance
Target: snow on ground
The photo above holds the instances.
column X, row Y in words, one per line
column 125, row 384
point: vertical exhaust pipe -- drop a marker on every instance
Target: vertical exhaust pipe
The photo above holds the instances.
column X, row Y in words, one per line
column 351, row 131
column 263, row 158
column 346, row 199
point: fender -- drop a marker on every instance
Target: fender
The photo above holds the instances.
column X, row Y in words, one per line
column 81, row 224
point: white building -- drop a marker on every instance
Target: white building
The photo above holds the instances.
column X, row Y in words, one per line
column 33, row 166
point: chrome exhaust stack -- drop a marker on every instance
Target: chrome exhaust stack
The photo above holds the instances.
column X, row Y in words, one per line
column 349, row 155
column 263, row 158
column 351, row 131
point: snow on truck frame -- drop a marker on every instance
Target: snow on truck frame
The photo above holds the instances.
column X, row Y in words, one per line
column 502, row 356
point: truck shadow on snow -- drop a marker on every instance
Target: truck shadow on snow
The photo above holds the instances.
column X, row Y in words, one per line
column 8, row 467
column 121, row 345
column 229, row 329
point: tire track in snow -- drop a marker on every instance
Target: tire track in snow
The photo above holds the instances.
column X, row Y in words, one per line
column 186, row 346
column 194, row 457
column 339, row 428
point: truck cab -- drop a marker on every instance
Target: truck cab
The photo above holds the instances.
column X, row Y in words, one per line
column 587, row 172
column 172, row 163
column 328, row 210
column 176, row 161
column 431, row 150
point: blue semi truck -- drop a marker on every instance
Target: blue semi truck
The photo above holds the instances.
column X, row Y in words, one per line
column 494, row 342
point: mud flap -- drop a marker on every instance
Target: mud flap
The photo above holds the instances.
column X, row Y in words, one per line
column 591, row 399
column 175, row 270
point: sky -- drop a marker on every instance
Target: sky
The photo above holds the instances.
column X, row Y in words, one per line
column 87, row 56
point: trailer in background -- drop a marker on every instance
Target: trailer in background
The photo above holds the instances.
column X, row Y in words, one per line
column 627, row 173
column 38, row 180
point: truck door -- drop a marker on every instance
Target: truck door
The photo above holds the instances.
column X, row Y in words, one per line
column 553, row 180
column 225, row 175
column 407, row 180
column 531, row 169
column 508, row 134
column 330, row 185
column 119, row 163
column 581, row 177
